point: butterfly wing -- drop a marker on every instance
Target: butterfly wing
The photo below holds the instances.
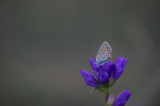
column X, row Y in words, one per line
column 104, row 53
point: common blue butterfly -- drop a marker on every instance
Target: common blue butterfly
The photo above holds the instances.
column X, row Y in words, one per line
column 104, row 53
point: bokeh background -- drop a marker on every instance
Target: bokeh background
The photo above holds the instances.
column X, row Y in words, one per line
column 44, row 44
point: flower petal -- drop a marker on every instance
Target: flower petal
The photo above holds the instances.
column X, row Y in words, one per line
column 89, row 78
column 97, row 67
column 93, row 64
column 119, row 65
column 102, row 76
column 122, row 98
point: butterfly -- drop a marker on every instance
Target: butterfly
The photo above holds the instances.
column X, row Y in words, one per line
column 104, row 53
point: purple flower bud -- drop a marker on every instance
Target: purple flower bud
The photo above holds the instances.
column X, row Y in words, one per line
column 110, row 100
column 89, row 78
column 122, row 98
column 108, row 66
column 97, row 67
column 102, row 75
column 119, row 65
column 93, row 64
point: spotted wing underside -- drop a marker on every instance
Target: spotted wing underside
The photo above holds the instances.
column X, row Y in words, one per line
column 104, row 52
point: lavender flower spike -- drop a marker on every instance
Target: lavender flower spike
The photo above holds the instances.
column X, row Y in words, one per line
column 122, row 98
column 89, row 78
column 119, row 65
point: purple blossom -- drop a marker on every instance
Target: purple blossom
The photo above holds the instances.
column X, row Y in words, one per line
column 93, row 64
column 97, row 67
column 122, row 98
column 104, row 71
column 89, row 78
column 102, row 75
column 118, row 66
column 110, row 99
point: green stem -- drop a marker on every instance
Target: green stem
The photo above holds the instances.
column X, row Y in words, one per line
column 107, row 94
column 108, row 105
column 112, row 83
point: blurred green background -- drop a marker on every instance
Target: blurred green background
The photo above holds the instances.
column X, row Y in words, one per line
column 45, row 43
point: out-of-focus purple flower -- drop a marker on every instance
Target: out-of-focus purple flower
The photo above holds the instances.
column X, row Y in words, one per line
column 110, row 99
column 97, row 67
column 89, row 78
column 118, row 66
column 122, row 98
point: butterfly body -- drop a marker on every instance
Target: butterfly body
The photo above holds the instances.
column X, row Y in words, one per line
column 104, row 53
